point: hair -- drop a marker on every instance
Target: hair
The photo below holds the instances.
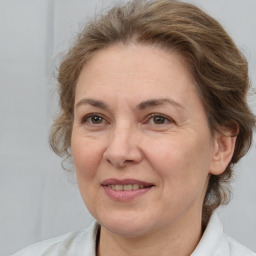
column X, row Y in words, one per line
column 218, row 67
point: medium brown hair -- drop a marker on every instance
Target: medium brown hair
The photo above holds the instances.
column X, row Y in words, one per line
column 218, row 67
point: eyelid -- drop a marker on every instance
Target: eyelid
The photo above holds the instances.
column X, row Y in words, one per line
column 84, row 118
column 160, row 115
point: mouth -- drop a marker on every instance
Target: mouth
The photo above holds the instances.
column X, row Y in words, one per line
column 127, row 187
column 125, row 190
column 126, row 184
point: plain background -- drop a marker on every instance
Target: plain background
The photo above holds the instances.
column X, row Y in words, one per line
column 37, row 199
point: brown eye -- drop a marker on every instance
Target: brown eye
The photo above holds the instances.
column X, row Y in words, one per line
column 157, row 119
column 94, row 119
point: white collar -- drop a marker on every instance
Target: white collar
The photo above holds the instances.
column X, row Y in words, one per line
column 214, row 241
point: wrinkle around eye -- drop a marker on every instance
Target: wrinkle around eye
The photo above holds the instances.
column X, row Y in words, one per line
column 93, row 122
column 158, row 122
column 94, row 119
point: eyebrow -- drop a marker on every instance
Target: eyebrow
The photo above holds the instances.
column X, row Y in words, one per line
column 141, row 106
column 158, row 102
column 92, row 102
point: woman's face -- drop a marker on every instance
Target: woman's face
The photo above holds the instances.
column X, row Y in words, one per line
column 141, row 143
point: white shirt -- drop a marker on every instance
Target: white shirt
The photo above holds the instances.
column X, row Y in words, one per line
column 214, row 242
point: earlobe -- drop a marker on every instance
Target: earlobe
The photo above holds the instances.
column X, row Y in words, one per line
column 224, row 146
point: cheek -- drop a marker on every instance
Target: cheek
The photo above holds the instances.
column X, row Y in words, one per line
column 87, row 158
column 181, row 163
column 86, row 154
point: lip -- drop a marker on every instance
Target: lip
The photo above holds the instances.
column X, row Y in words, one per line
column 125, row 182
column 124, row 196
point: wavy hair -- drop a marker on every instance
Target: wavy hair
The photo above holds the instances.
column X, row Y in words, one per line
column 218, row 67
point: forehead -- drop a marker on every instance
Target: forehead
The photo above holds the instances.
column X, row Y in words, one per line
column 141, row 70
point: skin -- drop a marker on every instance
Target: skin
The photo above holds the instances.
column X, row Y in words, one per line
column 174, row 149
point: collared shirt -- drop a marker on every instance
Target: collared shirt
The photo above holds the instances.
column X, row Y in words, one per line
column 214, row 242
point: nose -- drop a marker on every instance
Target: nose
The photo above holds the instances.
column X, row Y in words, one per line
column 123, row 148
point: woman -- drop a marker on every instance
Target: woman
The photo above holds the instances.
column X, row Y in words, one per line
column 154, row 115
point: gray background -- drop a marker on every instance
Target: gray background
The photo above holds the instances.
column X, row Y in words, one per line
column 37, row 199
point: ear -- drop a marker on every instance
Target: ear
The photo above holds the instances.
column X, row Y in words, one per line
column 224, row 146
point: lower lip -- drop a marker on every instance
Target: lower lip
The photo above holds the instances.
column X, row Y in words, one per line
column 122, row 195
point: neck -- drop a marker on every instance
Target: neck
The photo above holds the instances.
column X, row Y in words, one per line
column 180, row 240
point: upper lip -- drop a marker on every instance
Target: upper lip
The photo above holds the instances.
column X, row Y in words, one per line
column 125, row 182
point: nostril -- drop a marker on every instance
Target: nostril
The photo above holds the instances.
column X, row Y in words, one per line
column 129, row 161
column 116, row 163
column 122, row 156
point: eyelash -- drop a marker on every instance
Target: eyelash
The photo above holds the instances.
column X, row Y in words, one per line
column 166, row 119
column 162, row 116
column 86, row 118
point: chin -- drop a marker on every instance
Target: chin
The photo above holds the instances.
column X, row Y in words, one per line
column 129, row 227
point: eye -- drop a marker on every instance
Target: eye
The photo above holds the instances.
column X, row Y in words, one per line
column 93, row 119
column 159, row 119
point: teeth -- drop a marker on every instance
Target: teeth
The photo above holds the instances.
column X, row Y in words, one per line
column 127, row 187
column 119, row 187
column 136, row 186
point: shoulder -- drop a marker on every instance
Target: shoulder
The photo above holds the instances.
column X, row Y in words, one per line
column 52, row 246
column 235, row 248
column 215, row 242
column 74, row 243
